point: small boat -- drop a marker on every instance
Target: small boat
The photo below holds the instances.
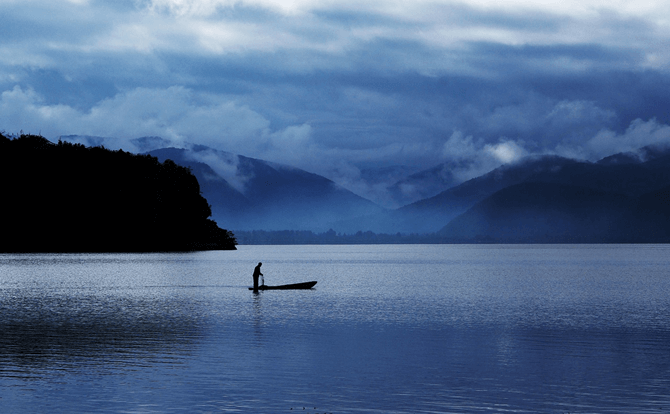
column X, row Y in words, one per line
column 303, row 285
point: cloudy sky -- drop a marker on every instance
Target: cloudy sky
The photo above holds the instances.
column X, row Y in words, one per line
column 337, row 86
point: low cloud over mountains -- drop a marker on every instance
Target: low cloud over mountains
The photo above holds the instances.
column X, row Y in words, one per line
column 533, row 199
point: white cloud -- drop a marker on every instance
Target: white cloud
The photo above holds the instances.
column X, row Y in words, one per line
column 575, row 8
column 637, row 135
column 176, row 113
column 459, row 146
column 218, row 27
column 243, row 27
column 570, row 113
column 225, row 165
column 506, row 152
column 475, row 157
column 540, row 115
column 25, row 110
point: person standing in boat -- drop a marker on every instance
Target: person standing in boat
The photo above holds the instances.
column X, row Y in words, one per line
column 257, row 272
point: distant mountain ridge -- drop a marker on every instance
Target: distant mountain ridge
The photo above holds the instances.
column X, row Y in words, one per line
column 557, row 213
column 252, row 194
column 631, row 174
column 623, row 198
column 540, row 212
column 267, row 196
column 611, row 199
column 425, row 183
column 427, row 215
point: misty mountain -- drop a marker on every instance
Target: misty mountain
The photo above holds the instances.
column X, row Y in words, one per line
column 456, row 200
column 431, row 214
column 544, row 213
column 556, row 213
column 252, row 194
column 623, row 198
column 425, row 184
column 647, row 153
column 629, row 174
column 386, row 175
column 373, row 183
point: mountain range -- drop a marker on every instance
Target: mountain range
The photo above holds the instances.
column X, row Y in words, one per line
column 540, row 212
column 631, row 174
column 548, row 198
column 253, row 194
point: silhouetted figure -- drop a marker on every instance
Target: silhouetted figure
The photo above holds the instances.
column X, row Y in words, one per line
column 257, row 272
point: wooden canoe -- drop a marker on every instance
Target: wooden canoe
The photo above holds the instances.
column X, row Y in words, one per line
column 304, row 285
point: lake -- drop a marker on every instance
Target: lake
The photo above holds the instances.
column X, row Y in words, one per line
column 388, row 329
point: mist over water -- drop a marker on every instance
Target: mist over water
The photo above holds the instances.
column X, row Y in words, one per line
column 404, row 329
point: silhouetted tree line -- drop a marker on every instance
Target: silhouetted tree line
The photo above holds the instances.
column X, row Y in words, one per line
column 290, row 237
column 71, row 198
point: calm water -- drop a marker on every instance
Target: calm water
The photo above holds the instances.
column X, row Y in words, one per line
column 388, row 329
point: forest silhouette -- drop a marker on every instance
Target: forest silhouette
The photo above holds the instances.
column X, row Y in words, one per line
column 67, row 197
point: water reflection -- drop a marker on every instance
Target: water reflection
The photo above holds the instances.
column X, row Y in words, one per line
column 39, row 334
column 258, row 318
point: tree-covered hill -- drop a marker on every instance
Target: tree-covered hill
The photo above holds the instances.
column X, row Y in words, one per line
column 72, row 198
column 544, row 212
